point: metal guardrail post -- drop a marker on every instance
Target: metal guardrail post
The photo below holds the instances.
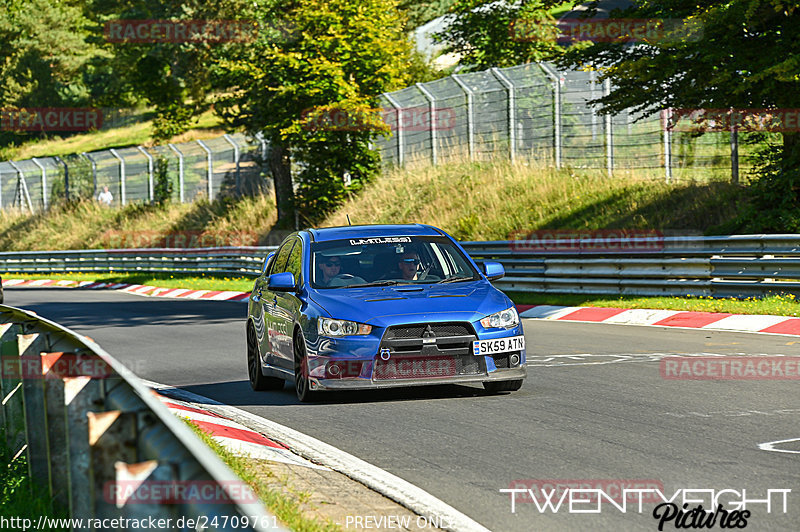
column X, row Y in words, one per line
column 470, row 115
column 45, row 202
column 30, row 348
column 235, row 158
column 22, row 187
column 11, row 388
column 210, row 169
column 609, row 133
column 510, row 99
column 150, row 184
column 122, row 187
column 94, row 170
column 432, row 106
column 556, row 79
column 177, row 152
column 400, row 134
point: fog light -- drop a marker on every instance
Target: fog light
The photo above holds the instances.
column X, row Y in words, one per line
column 514, row 360
column 333, row 369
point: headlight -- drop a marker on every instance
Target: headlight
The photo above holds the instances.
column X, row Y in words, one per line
column 505, row 318
column 331, row 327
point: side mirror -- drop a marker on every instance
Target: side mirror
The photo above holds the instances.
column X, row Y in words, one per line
column 282, row 282
column 493, row 270
column 267, row 262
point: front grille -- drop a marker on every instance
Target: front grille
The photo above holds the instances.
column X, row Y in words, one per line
column 428, row 350
column 439, row 329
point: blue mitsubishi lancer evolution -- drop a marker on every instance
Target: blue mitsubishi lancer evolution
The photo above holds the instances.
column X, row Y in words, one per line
column 379, row 306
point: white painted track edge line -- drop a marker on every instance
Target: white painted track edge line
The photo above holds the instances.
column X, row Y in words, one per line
column 401, row 491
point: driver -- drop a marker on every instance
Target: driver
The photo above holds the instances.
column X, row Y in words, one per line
column 330, row 267
column 409, row 266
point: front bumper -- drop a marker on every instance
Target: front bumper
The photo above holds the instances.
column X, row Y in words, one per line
column 412, row 355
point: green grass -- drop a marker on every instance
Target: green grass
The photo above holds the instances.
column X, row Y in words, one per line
column 286, row 508
column 135, row 130
column 19, row 496
column 778, row 305
column 165, row 280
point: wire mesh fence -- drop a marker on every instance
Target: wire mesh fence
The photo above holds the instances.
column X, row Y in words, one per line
column 538, row 113
column 199, row 169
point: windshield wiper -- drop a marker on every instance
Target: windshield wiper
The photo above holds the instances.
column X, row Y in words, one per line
column 456, row 279
column 388, row 282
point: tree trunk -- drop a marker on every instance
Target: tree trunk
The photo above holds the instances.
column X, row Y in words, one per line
column 280, row 167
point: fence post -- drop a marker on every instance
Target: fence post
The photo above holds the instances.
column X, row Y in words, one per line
column 94, row 170
column 235, row 157
column 63, row 163
column 22, row 187
column 432, row 103
column 512, row 134
column 210, row 169
column 45, row 203
column 400, row 134
column 122, row 195
column 666, row 116
column 592, row 84
column 150, row 187
column 260, row 138
column 556, row 112
column 175, row 149
column 470, row 115
column 734, row 154
column 609, row 132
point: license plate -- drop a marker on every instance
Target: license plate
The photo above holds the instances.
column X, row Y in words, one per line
column 499, row 345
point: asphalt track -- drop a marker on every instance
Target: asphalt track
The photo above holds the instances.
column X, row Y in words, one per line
column 594, row 407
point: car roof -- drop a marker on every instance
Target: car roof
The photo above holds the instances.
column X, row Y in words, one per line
column 370, row 231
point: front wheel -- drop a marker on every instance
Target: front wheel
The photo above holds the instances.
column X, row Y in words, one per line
column 258, row 381
column 502, row 386
column 302, row 385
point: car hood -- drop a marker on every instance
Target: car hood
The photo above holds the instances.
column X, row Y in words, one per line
column 382, row 306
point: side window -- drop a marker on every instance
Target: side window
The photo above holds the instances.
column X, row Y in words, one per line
column 295, row 262
column 279, row 262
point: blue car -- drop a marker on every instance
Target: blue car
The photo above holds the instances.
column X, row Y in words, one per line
column 380, row 306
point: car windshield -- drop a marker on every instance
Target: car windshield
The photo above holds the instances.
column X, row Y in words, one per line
column 384, row 261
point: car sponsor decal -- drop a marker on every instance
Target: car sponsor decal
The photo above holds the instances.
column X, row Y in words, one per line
column 380, row 240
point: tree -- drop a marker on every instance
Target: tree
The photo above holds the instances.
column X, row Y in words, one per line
column 499, row 34
column 42, row 53
column 314, row 59
column 742, row 54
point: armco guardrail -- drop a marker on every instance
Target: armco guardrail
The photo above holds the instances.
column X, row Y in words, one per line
column 102, row 445
column 720, row 266
column 739, row 266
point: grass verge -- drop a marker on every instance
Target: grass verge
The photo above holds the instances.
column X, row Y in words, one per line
column 20, row 497
column 778, row 305
column 286, row 505
column 166, row 280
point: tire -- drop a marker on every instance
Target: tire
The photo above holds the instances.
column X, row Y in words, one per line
column 258, row 381
column 302, row 386
column 502, row 386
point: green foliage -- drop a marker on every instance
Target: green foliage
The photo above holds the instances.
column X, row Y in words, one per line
column 172, row 119
column 81, row 181
column 419, row 13
column 162, row 181
column 316, row 58
column 500, row 34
